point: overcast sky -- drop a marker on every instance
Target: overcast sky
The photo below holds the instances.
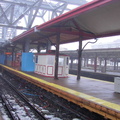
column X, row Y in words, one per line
column 74, row 45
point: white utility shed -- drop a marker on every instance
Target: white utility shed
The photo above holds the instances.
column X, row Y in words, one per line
column 45, row 65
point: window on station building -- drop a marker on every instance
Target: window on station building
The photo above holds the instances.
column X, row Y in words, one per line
column 50, row 60
column 61, row 61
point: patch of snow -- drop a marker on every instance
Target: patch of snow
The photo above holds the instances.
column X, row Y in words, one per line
column 55, row 118
column 48, row 116
column 76, row 119
column 45, row 111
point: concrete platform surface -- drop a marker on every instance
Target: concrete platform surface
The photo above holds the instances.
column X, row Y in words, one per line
column 93, row 94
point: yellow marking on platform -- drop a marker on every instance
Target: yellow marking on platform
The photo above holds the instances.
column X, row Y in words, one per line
column 94, row 79
column 70, row 91
column 98, row 80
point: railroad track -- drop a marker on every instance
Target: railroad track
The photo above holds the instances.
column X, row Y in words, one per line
column 14, row 101
column 9, row 108
column 49, row 104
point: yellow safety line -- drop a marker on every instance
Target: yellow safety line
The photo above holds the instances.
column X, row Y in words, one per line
column 98, row 80
column 70, row 91
column 94, row 79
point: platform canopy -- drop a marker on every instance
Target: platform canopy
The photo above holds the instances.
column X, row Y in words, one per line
column 99, row 18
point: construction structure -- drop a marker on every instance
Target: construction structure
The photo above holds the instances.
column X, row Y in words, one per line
column 17, row 16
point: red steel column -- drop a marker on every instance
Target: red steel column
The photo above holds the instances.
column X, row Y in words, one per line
column 57, row 56
column 79, row 59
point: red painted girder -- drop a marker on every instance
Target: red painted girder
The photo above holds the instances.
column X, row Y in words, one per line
column 108, row 34
column 74, row 13
column 69, row 32
column 68, row 15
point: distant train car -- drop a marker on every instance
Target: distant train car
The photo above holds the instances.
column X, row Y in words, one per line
column 45, row 65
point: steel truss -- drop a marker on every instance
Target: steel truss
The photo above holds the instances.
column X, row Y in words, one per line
column 19, row 15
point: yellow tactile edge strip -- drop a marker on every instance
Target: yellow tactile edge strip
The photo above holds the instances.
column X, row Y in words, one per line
column 105, row 108
column 95, row 79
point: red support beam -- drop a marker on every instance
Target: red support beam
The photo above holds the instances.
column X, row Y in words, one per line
column 75, row 12
column 108, row 34
column 76, row 24
column 69, row 32
column 65, row 17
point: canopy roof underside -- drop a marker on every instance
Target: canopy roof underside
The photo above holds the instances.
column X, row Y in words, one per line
column 100, row 18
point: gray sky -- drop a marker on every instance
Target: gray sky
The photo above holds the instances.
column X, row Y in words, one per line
column 74, row 45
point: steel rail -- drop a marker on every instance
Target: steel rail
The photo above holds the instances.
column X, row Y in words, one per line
column 9, row 108
column 25, row 100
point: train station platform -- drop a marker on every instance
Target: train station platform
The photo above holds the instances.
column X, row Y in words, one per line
column 95, row 95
